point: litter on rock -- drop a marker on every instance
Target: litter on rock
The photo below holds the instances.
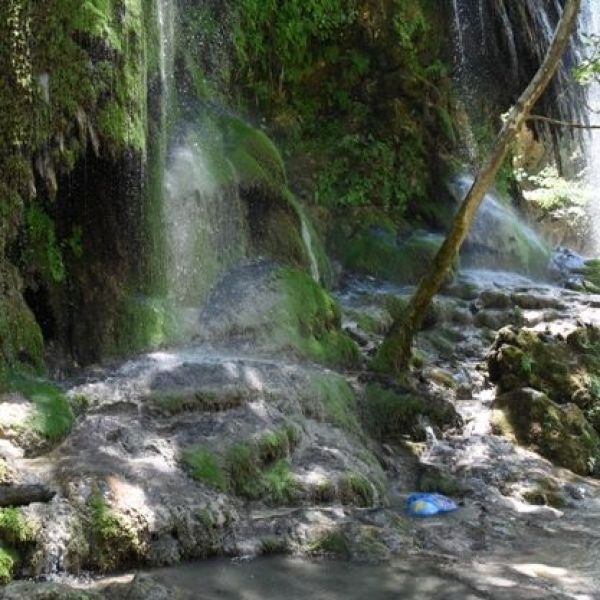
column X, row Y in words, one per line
column 429, row 505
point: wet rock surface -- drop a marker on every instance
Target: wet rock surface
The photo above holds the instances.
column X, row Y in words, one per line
column 192, row 453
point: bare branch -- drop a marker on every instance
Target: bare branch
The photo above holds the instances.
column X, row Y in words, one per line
column 570, row 124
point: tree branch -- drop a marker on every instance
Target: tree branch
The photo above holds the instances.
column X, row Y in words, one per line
column 570, row 124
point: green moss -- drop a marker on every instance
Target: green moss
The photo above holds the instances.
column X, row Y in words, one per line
column 114, row 544
column 244, row 471
column 560, row 433
column 591, row 273
column 43, row 250
column 278, row 444
column 14, row 527
column 280, row 483
column 9, row 561
column 144, row 323
column 391, row 415
column 21, row 341
column 331, row 542
column 255, row 158
column 16, row 535
column 355, row 489
column 189, row 400
column 440, row 483
column 332, row 399
column 310, row 321
column 377, row 249
column 562, row 369
column 53, row 418
column 253, row 469
column 545, row 493
column 204, row 466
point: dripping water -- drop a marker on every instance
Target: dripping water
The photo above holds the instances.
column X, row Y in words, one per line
column 591, row 16
column 307, row 239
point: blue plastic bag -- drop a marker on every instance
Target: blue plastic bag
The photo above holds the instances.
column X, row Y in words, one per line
column 429, row 505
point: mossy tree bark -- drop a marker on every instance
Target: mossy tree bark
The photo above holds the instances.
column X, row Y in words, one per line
column 394, row 354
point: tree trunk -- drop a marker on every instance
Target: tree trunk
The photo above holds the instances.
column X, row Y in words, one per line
column 395, row 352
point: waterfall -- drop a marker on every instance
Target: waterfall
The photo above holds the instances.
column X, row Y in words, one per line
column 499, row 240
column 166, row 29
column 498, row 45
column 307, row 239
column 591, row 25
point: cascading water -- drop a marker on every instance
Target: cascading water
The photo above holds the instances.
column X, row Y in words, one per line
column 499, row 239
column 166, row 28
column 205, row 221
column 498, row 47
column 307, row 239
column 591, row 27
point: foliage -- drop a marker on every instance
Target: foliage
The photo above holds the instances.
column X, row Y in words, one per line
column 204, row 467
column 588, row 71
column 53, row 418
column 14, row 527
column 311, row 320
column 9, row 559
column 391, row 415
column 16, row 534
column 114, row 542
column 367, row 171
column 252, row 469
column 549, row 191
column 276, row 41
column 331, row 542
column 280, row 482
column 278, row 444
column 44, row 250
column 331, row 398
column 356, row 489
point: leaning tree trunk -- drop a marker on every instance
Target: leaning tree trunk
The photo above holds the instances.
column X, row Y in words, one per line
column 395, row 352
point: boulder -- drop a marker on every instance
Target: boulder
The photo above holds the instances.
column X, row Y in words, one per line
column 562, row 434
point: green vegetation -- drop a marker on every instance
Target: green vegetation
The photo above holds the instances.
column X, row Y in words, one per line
column 14, row 527
column 43, row 249
column 9, row 560
column 17, row 535
column 310, row 321
column 278, row 444
column 281, row 485
column 331, row 542
column 545, row 493
column 21, row 342
column 254, row 469
column 54, row 417
column 560, row 433
column 391, row 415
column 205, row 467
column 374, row 246
column 144, row 323
column 113, row 541
column 330, row 398
column 356, row 489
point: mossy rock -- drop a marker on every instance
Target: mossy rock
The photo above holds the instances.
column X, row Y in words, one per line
column 562, row 369
column 329, row 398
column 560, row 433
column 379, row 250
column 256, row 469
column 21, row 341
column 392, row 413
column 309, row 320
column 114, row 544
column 51, row 417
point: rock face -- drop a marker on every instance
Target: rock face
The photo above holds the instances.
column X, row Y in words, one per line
column 549, row 392
column 561, row 433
